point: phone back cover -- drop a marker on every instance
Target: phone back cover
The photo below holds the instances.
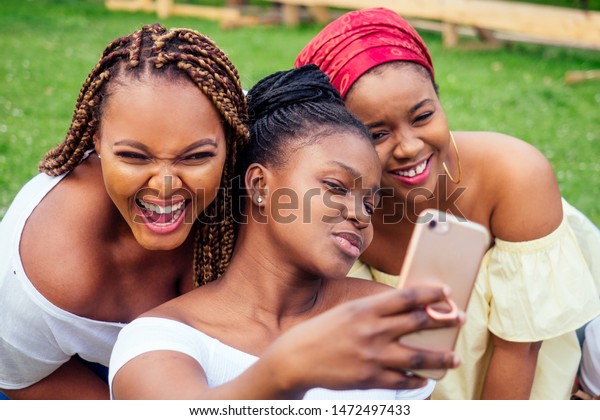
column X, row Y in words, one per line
column 451, row 257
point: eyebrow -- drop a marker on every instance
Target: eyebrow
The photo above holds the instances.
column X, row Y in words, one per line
column 410, row 111
column 141, row 146
column 419, row 105
column 345, row 167
column 354, row 173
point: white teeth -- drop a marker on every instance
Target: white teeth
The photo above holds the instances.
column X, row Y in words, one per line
column 415, row 171
column 161, row 210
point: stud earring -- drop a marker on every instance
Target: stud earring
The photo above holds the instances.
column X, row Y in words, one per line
column 99, row 157
column 259, row 199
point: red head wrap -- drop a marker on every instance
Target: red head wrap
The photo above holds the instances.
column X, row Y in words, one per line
column 360, row 40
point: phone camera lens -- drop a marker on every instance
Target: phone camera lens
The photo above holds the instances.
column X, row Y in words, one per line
column 432, row 224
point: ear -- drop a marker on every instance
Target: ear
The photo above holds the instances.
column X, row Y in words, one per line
column 96, row 140
column 257, row 179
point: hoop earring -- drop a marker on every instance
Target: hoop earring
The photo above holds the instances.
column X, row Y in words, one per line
column 455, row 181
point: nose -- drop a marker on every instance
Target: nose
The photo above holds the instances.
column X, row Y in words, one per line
column 407, row 146
column 356, row 212
column 165, row 180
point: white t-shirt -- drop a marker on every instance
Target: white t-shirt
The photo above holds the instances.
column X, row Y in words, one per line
column 37, row 337
column 221, row 363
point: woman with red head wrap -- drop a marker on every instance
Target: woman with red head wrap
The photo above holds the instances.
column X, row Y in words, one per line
column 537, row 283
column 359, row 41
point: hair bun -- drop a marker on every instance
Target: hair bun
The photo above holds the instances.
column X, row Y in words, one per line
column 287, row 88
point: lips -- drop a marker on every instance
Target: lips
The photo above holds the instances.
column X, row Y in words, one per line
column 164, row 217
column 413, row 175
column 350, row 243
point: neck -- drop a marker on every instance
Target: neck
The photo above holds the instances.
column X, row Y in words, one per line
column 397, row 210
column 265, row 284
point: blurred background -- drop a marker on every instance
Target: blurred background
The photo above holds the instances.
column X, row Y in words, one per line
column 488, row 80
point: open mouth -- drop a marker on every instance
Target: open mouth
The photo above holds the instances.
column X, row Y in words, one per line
column 161, row 215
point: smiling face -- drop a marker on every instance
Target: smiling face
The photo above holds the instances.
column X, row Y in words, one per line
column 162, row 147
column 398, row 102
column 320, row 203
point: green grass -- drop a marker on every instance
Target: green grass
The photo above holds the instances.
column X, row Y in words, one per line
column 48, row 48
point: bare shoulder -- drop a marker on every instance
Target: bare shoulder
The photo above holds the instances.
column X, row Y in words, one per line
column 519, row 181
column 180, row 308
column 59, row 244
column 506, row 164
column 184, row 308
column 501, row 152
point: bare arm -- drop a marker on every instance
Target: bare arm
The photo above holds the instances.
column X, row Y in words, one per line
column 511, row 370
column 71, row 381
column 352, row 346
column 529, row 207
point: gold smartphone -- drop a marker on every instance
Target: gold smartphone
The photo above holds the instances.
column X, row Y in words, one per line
column 443, row 250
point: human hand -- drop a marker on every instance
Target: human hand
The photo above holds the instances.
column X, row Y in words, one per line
column 356, row 344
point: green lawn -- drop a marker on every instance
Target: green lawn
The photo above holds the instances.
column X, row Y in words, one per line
column 48, row 48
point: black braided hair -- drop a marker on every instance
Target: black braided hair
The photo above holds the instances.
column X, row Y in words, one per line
column 293, row 108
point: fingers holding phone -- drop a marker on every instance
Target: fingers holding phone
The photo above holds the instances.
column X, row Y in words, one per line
column 363, row 341
column 443, row 250
column 410, row 315
column 421, row 307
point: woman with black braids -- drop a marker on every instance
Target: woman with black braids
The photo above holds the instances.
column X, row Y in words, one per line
column 130, row 210
column 283, row 321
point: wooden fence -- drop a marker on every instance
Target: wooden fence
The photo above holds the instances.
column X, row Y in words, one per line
column 489, row 19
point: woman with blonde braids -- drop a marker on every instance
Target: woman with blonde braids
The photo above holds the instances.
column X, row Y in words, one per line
column 131, row 210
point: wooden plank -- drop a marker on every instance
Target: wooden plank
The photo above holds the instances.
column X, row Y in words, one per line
column 206, row 12
column 572, row 77
column 434, row 26
column 130, row 5
column 166, row 8
column 320, row 14
column 290, row 14
column 547, row 22
column 450, row 34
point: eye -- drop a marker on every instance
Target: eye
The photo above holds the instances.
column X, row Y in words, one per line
column 199, row 156
column 336, row 188
column 369, row 208
column 379, row 136
column 132, row 156
column 423, row 117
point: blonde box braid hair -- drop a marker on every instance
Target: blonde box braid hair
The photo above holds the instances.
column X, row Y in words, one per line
column 154, row 50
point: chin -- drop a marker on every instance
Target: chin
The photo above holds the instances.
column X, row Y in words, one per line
column 415, row 195
column 424, row 195
column 158, row 243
